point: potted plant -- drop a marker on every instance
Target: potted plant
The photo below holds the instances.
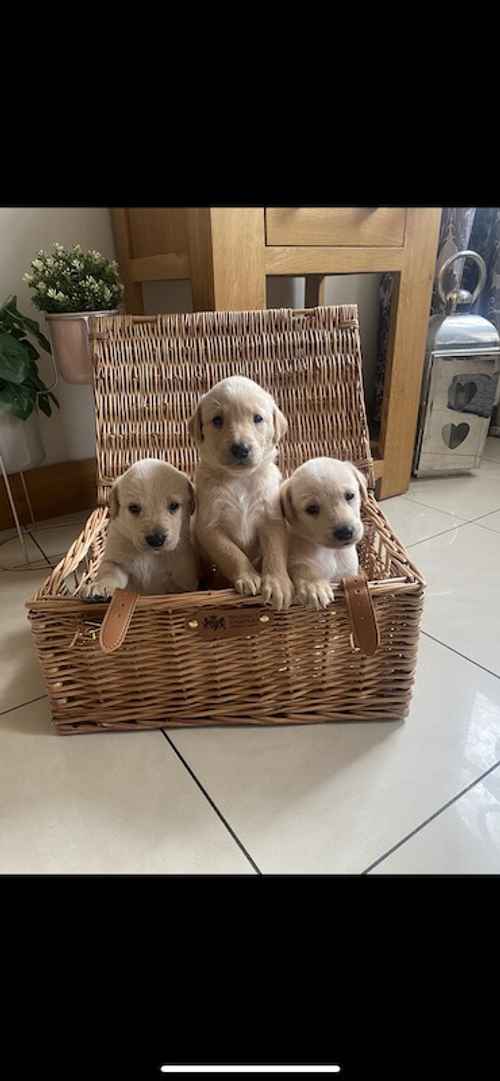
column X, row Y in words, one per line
column 22, row 392
column 71, row 286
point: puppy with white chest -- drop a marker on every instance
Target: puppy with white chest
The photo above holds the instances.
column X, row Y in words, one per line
column 321, row 503
column 238, row 521
column 149, row 547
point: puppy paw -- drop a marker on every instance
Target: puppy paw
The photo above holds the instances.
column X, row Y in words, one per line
column 277, row 591
column 101, row 589
column 317, row 594
column 248, row 584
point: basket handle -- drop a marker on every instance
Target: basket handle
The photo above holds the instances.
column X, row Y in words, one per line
column 117, row 620
column 365, row 632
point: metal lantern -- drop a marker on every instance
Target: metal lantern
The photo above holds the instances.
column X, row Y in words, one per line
column 461, row 382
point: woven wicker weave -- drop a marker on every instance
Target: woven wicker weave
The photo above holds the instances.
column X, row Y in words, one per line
column 173, row 668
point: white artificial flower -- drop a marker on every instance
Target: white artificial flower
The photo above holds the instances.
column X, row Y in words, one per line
column 28, row 278
column 37, row 264
column 60, row 296
column 52, row 293
column 49, row 261
column 41, row 287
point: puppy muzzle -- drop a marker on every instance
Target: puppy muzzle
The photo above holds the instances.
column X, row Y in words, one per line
column 241, row 453
column 343, row 536
column 156, row 539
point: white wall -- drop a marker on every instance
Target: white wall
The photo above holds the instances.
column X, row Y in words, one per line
column 69, row 433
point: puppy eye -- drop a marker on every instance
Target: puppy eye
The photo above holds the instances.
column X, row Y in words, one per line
column 312, row 509
column 217, row 422
column 349, row 496
column 173, row 507
column 257, row 419
column 134, row 508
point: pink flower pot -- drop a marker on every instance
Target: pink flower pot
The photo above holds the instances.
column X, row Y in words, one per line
column 69, row 334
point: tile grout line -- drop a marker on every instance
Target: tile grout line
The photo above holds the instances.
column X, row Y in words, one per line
column 471, row 521
column 212, row 804
column 462, row 655
column 431, row 817
column 457, row 525
column 486, row 515
column 40, row 549
column 433, row 535
column 451, row 514
column 487, row 528
column 404, row 495
column 21, row 704
column 438, row 510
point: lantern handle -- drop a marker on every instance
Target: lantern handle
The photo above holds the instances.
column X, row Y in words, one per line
column 462, row 296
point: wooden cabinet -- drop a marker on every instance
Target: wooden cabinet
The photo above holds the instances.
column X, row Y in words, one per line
column 227, row 253
column 359, row 226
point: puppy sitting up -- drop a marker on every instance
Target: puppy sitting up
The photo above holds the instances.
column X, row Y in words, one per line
column 148, row 547
column 321, row 503
column 238, row 524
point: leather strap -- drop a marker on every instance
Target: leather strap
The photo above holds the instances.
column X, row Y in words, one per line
column 117, row 620
column 365, row 631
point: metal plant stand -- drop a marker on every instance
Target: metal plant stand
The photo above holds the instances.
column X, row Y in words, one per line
column 21, row 532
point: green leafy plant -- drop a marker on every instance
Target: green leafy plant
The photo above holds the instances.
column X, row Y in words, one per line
column 70, row 280
column 21, row 388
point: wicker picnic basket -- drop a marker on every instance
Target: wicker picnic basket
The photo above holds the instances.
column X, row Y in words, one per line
column 213, row 657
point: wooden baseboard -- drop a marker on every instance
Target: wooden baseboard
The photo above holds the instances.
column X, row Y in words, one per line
column 61, row 488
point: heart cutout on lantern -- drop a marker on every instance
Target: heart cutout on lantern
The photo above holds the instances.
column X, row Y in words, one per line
column 454, row 434
column 464, row 394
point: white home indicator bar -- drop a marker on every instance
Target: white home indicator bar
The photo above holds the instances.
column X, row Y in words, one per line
column 250, row 1069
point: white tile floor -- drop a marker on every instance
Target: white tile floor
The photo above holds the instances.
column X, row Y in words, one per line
column 419, row 797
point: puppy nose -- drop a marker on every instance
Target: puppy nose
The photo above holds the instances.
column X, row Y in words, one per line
column 156, row 539
column 343, row 533
column 240, row 451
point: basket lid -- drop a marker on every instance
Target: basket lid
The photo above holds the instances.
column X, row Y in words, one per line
column 150, row 371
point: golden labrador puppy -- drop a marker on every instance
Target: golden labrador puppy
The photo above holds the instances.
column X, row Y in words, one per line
column 238, row 521
column 149, row 547
column 321, row 503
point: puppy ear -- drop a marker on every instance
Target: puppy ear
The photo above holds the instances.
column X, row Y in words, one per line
column 287, row 508
column 192, row 498
column 361, row 479
column 280, row 424
column 114, row 502
column 196, row 426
